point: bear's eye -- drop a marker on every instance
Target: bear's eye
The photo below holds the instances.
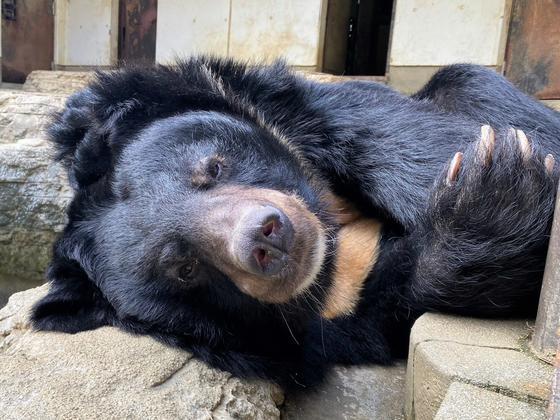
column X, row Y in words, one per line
column 188, row 270
column 215, row 169
column 208, row 171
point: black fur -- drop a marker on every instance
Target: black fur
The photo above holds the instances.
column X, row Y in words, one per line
column 476, row 247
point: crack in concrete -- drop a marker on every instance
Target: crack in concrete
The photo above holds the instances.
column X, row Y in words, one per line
column 432, row 340
column 8, row 316
column 167, row 378
column 504, row 391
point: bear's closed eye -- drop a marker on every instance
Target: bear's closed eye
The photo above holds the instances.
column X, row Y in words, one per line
column 208, row 170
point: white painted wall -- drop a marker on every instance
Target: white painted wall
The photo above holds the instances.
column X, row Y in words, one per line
column 83, row 32
column 268, row 29
column 245, row 29
column 187, row 27
column 439, row 32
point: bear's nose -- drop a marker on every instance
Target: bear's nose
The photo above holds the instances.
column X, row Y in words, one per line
column 271, row 236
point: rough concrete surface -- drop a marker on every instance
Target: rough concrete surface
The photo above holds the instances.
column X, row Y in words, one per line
column 490, row 355
column 108, row 373
column 369, row 392
column 554, row 405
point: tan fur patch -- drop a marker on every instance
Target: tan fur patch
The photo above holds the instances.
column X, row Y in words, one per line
column 341, row 210
column 357, row 251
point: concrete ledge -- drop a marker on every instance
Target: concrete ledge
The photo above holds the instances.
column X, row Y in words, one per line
column 410, row 79
column 491, row 357
column 552, row 103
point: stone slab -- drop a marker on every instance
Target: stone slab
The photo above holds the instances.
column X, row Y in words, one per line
column 107, row 373
column 469, row 331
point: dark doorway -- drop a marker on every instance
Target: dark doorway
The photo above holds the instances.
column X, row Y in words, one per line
column 357, row 37
column 533, row 48
column 137, row 30
column 27, row 38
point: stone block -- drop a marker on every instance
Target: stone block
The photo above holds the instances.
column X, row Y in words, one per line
column 24, row 115
column 488, row 354
column 34, row 194
column 61, row 82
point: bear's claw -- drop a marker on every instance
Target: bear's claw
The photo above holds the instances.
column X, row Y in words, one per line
column 454, row 168
column 485, row 149
column 549, row 164
column 486, row 144
column 524, row 144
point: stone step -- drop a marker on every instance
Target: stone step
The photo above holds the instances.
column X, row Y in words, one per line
column 491, row 355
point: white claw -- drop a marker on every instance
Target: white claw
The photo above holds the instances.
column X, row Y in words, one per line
column 524, row 144
column 454, row 168
column 486, row 146
column 549, row 162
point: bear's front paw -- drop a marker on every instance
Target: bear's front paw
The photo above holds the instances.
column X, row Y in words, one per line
column 481, row 249
column 502, row 185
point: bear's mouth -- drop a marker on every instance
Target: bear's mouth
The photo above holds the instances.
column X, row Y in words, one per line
column 269, row 244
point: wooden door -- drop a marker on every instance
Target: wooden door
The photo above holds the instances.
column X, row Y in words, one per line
column 533, row 48
column 27, row 38
column 137, row 30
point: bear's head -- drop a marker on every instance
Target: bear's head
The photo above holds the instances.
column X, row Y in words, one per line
column 194, row 218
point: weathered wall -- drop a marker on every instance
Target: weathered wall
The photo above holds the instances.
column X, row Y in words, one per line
column 245, row 29
column 189, row 26
column 428, row 34
column 85, row 33
column 266, row 29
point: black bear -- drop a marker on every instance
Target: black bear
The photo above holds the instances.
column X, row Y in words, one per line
column 274, row 226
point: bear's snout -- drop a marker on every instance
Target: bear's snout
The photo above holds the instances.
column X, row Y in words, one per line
column 269, row 237
column 268, row 243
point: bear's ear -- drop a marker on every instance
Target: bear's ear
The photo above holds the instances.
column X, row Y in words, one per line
column 73, row 302
column 81, row 140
